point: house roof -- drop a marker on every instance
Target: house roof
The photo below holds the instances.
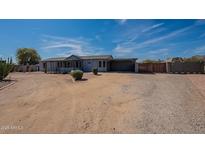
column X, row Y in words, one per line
column 55, row 59
column 74, row 57
column 124, row 59
column 97, row 57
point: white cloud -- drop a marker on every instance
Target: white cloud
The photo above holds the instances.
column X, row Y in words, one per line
column 121, row 21
column 152, row 27
column 202, row 35
column 163, row 51
column 155, row 54
column 200, row 50
column 199, row 22
column 97, row 37
column 123, row 49
column 168, row 36
column 196, row 50
column 68, row 46
column 132, row 46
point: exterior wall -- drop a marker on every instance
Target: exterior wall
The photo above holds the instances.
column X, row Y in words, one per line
column 52, row 67
column 88, row 65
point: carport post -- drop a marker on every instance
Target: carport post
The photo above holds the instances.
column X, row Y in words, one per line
column 136, row 67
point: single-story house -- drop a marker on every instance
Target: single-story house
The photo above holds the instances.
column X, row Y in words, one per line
column 103, row 63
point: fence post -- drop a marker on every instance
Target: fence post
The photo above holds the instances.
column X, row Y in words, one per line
column 167, row 67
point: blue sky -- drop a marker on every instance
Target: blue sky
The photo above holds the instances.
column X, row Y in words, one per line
column 153, row 39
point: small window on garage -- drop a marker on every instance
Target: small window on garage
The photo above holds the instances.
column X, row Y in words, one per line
column 103, row 63
column 100, row 65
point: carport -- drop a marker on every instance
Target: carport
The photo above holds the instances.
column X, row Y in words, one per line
column 123, row 65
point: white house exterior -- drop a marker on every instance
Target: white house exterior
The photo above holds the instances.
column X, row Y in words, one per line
column 85, row 63
column 103, row 63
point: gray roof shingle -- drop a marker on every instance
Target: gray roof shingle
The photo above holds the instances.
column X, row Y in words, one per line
column 97, row 57
column 74, row 57
column 55, row 59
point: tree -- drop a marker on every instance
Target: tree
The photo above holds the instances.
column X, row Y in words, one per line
column 196, row 58
column 26, row 56
column 177, row 59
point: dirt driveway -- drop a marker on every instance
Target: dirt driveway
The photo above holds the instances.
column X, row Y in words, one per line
column 108, row 103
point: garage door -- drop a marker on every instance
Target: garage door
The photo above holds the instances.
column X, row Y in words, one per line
column 122, row 66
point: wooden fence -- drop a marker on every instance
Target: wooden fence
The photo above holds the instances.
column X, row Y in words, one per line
column 152, row 67
column 26, row 68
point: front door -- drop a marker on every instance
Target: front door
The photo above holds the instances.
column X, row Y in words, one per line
column 88, row 65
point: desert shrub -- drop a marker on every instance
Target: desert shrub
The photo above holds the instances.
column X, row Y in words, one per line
column 13, row 68
column 77, row 74
column 5, row 68
column 95, row 71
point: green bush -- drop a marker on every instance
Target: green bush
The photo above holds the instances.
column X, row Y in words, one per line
column 5, row 68
column 95, row 71
column 77, row 74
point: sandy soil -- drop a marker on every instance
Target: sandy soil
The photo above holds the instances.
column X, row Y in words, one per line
column 198, row 81
column 108, row 103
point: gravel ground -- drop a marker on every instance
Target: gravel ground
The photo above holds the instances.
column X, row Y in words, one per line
column 108, row 103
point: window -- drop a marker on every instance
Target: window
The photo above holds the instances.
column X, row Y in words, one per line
column 60, row 64
column 100, row 64
column 68, row 64
column 103, row 63
column 76, row 64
